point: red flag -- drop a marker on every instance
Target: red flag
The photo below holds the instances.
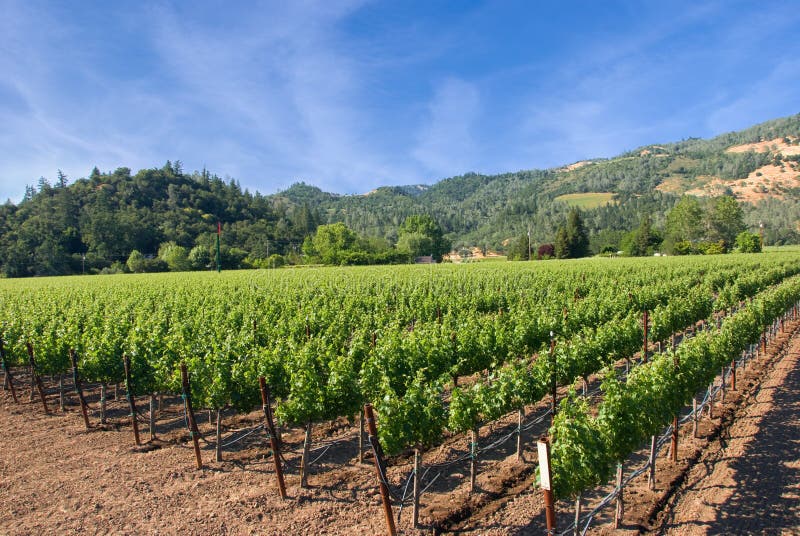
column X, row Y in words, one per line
column 219, row 228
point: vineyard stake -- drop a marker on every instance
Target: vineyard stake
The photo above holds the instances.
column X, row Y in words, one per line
column 543, row 448
column 473, row 459
column 76, row 382
column 7, row 373
column 415, row 511
column 620, row 510
column 33, row 385
column 733, row 374
column 152, row 417
column 273, row 439
column 722, row 383
column 126, row 362
column 360, row 437
column 102, row 403
column 710, row 402
column 645, row 322
column 61, row 391
column 520, row 418
column 694, row 417
column 674, row 446
column 304, row 459
column 218, row 446
column 578, row 511
column 193, row 432
column 651, row 477
column 373, row 439
column 553, row 381
column 36, row 378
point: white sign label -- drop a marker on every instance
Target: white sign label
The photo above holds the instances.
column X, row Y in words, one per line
column 544, row 466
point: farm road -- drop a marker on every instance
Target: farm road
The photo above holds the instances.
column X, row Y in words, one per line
column 751, row 484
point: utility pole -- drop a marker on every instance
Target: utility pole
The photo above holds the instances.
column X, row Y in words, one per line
column 529, row 243
column 761, row 233
column 219, row 258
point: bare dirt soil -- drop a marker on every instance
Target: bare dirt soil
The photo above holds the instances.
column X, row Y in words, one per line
column 740, row 476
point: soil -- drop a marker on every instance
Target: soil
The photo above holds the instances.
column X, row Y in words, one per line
column 59, row 478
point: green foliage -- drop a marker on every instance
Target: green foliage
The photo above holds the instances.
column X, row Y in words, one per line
column 136, row 262
column 747, row 242
column 579, row 458
column 420, row 235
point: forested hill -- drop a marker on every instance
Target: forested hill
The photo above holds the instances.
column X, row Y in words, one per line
column 88, row 224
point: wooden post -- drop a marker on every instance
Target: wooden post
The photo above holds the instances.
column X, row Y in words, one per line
column 473, row 458
column 651, row 477
column 102, row 403
column 722, row 383
column 694, row 417
column 578, row 510
column 218, row 446
column 304, row 460
column 520, row 418
column 7, row 373
column 126, row 361
column 553, row 379
column 710, row 403
column 360, row 437
column 674, row 444
column 193, row 431
column 61, row 392
column 733, row 374
column 76, row 382
column 36, row 378
column 620, row 510
column 373, row 439
column 152, row 417
column 417, row 463
column 645, row 322
column 543, row 448
column 273, row 439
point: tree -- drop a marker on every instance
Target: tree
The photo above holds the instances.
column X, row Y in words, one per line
column 429, row 239
column 684, row 223
column 332, row 241
column 136, row 262
column 726, row 220
column 199, row 257
column 577, row 237
column 572, row 241
column 518, row 249
column 545, row 251
column 747, row 242
column 176, row 257
column 644, row 239
column 561, row 245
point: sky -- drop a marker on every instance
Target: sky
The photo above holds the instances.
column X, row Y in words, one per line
column 351, row 95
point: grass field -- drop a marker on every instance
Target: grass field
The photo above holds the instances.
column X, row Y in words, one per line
column 587, row 200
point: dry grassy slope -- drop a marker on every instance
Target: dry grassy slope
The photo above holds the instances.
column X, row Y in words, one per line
column 767, row 181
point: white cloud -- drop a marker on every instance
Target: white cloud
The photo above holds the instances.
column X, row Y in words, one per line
column 446, row 143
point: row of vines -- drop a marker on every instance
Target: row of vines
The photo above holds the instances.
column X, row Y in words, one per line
column 435, row 349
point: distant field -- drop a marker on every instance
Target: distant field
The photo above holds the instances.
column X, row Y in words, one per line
column 587, row 200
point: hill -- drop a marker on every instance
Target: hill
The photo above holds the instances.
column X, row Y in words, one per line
column 91, row 223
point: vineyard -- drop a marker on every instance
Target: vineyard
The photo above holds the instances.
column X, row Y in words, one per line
column 601, row 355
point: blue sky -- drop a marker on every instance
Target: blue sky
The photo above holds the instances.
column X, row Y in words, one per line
column 355, row 94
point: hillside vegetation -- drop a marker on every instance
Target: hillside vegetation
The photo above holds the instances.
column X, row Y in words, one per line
column 89, row 224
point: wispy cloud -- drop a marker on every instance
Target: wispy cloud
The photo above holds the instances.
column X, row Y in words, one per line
column 446, row 143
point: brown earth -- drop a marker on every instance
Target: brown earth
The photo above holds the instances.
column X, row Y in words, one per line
column 58, row 478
